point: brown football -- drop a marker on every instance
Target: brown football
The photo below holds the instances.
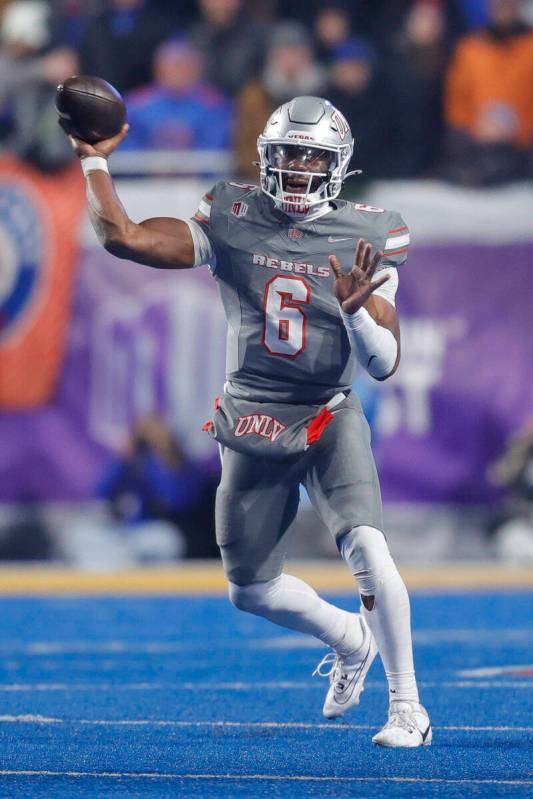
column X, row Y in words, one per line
column 90, row 108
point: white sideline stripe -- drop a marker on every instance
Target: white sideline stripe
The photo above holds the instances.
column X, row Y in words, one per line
column 95, row 648
column 466, row 636
column 59, row 686
column 118, row 647
column 494, row 671
column 28, row 718
column 140, row 775
column 247, row 686
column 420, row 638
column 268, row 725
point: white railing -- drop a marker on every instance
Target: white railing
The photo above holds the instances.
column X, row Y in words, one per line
column 172, row 162
column 165, row 163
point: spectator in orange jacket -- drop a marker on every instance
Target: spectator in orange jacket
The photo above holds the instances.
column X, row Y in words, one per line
column 489, row 99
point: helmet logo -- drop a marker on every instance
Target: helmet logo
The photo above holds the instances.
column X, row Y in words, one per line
column 297, row 134
column 239, row 208
column 340, row 123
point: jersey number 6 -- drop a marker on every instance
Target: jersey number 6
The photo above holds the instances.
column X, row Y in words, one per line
column 284, row 321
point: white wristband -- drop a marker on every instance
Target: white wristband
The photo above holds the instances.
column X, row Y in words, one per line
column 375, row 346
column 93, row 163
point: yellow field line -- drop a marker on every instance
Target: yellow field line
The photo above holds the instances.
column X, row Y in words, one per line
column 200, row 578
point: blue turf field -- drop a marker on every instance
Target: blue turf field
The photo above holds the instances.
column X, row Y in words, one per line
column 148, row 697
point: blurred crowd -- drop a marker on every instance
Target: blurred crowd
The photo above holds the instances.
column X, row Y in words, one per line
column 512, row 472
column 150, row 502
column 430, row 87
column 153, row 480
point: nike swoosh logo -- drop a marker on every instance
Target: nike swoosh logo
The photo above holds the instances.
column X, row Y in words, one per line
column 334, row 239
column 344, row 695
column 425, row 734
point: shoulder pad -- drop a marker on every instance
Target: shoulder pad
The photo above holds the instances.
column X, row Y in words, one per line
column 235, row 184
column 227, row 196
column 203, row 212
column 369, row 208
column 386, row 230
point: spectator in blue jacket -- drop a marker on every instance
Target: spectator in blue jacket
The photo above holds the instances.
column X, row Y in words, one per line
column 153, row 479
column 179, row 109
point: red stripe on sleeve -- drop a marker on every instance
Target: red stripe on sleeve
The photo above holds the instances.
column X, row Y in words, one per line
column 399, row 229
column 395, row 252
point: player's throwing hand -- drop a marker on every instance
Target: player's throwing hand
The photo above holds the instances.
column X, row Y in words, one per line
column 353, row 289
column 102, row 148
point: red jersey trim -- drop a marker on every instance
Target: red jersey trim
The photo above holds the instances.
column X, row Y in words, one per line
column 395, row 252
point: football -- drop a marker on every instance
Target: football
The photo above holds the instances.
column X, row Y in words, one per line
column 90, row 108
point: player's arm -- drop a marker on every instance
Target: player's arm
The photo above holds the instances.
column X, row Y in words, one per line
column 161, row 242
column 371, row 321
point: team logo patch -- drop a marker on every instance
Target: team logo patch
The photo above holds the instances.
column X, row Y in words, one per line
column 260, row 424
column 239, row 208
column 294, row 233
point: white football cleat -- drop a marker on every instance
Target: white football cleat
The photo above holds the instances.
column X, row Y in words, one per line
column 347, row 674
column 408, row 726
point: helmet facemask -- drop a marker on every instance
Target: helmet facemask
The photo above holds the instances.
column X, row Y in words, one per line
column 292, row 186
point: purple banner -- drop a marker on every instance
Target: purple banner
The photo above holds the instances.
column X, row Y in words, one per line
column 144, row 342
column 466, row 378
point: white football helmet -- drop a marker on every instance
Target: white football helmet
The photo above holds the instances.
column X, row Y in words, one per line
column 304, row 130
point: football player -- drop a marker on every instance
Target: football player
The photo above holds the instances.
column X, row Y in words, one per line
column 308, row 285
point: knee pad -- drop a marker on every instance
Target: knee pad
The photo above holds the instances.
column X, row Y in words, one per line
column 365, row 551
column 254, row 597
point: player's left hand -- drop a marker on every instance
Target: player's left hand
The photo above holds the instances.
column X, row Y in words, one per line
column 354, row 288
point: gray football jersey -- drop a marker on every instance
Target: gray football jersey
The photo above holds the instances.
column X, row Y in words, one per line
column 286, row 340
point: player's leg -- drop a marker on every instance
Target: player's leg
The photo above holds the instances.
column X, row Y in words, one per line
column 343, row 485
column 256, row 502
column 384, row 604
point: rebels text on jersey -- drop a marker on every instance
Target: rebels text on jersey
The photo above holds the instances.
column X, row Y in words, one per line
column 286, row 339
